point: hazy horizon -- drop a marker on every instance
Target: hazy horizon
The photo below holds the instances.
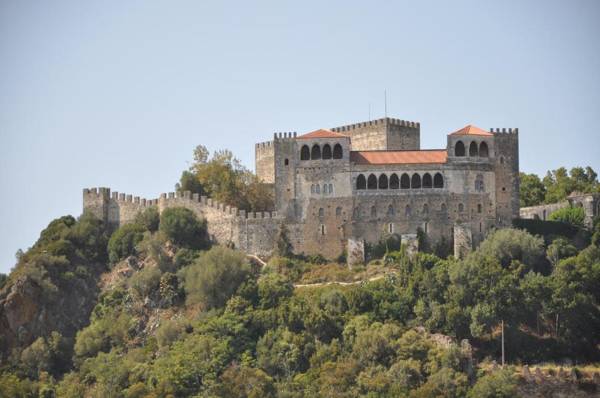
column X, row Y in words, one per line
column 119, row 94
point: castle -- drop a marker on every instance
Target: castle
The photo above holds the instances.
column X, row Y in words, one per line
column 340, row 187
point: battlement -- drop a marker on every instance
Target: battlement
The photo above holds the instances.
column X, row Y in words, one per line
column 264, row 145
column 119, row 197
column 504, row 130
column 382, row 121
column 284, row 135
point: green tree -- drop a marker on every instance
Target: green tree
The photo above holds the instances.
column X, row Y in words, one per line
column 123, row 241
column 182, row 227
column 571, row 215
column 149, row 219
column 532, row 190
column 498, row 384
column 215, row 276
column 283, row 244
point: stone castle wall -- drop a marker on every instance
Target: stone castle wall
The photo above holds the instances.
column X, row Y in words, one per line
column 251, row 232
column 589, row 202
column 383, row 134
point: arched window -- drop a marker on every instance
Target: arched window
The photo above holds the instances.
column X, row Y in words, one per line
column 425, row 209
column 390, row 210
column 338, row 211
column 415, row 181
column 459, row 149
column 361, row 182
column 325, row 189
column 438, row 181
column 383, row 182
column 461, row 207
column 483, row 150
column 479, row 208
column 427, row 182
column 321, row 212
column 407, row 211
column 394, row 181
column 443, row 208
column 317, row 188
column 304, row 153
column 312, row 188
column 373, row 211
column 337, row 151
column 473, row 151
column 326, row 151
column 405, row 181
column 479, row 184
column 372, row 182
column 330, row 188
column 315, row 152
column 286, row 162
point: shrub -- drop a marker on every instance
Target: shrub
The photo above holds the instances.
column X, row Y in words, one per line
column 499, row 384
column 215, row 276
column 272, row 288
column 570, row 215
column 169, row 331
column 183, row 228
column 145, row 282
column 149, row 219
column 507, row 245
column 123, row 241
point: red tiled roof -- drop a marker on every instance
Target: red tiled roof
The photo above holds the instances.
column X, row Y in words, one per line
column 322, row 133
column 471, row 130
column 399, row 157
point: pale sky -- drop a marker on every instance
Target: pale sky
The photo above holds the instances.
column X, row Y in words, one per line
column 118, row 94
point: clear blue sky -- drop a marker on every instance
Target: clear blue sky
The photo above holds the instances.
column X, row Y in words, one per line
column 118, row 93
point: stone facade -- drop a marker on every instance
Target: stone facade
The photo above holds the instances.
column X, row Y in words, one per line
column 359, row 182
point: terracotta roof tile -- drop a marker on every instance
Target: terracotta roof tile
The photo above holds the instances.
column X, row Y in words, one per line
column 471, row 130
column 322, row 133
column 399, row 157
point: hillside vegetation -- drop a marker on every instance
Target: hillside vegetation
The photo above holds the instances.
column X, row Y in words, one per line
column 155, row 309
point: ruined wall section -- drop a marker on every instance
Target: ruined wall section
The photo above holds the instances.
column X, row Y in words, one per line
column 264, row 161
column 251, row 232
column 383, row 134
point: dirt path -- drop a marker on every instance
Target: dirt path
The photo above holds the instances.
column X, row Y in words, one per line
column 371, row 279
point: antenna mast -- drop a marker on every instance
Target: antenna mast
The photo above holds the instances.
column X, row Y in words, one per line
column 385, row 101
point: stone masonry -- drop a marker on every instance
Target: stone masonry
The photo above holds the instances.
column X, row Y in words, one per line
column 359, row 183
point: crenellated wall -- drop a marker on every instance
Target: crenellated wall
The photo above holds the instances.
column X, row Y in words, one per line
column 383, row 134
column 251, row 232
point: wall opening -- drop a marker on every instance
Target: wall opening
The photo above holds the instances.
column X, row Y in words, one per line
column 407, row 211
column 438, row 181
column 383, row 182
column 394, row 181
column 405, row 181
column 390, row 210
column 337, row 151
column 427, row 181
column 390, row 228
column 286, row 162
column 315, row 152
column 459, row 149
column 479, row 208
column 304, row 153
column 326, row 151
column 461, row 207
column 372, row 182
column 361, row 182
column 483, row 150
column 321, row 212
column 322, row 229
column 338, row 211
column 473, row 150
column 415, row 181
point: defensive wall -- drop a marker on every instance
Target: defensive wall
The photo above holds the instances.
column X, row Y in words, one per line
column 252, row 232
column 589, row 202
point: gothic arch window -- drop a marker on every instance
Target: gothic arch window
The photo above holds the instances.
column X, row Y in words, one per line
column 338, row 211
column 459, row 149
column 321, row 212
column 317, row 188
column 390, row 210
column 473, row 150
column 415, row 181
column 479, row 184
column 338, row 153
column 438, row 181
column 304, row 153
column 330, row 188
column 326, row 151
column 425, row 209
column 361, row 182
column 325, row 189
column 383, row 182
column 461, row 207
column 312, row 188
column 427, row 181
column 405, row 181
column 373, row 211
column 372, row 182
column 483, row 150
column 394, row 181
column 315, row 152
column 407, row 211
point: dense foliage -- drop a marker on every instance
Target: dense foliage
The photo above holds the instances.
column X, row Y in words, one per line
column 225, row 179
column 557, row 185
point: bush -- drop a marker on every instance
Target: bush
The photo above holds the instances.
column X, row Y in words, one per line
column 215, row 276
column 169, row 331
column 272, row 288
column 570, row 215
column 123, row 241
column 145, row 282
column 149, row 219
column 507, row 245
column 499, row 384
column 183, row 228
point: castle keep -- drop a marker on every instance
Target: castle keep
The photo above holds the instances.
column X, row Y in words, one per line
column 359, row 183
